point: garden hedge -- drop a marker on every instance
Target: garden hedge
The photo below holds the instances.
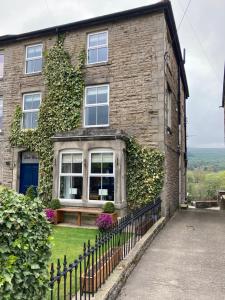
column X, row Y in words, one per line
column 25, row 247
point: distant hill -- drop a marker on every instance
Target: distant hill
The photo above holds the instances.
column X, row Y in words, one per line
column 208, row 159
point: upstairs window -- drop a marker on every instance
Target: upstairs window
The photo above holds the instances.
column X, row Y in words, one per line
column 1, row 64
column 97, row 47
column 71, row 176
column 101, row 176
column 31, row 104
column 34, row 59
column 1, row 113
column 169, row 107
column 97, row 106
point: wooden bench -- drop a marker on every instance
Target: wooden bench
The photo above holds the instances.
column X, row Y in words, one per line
column 59, row 218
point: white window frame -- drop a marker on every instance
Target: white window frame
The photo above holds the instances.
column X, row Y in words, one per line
column 33, row 58
column 71, row 174
column 97, row 47
column 1, row 107
column 30, row 110
column 95, row 104
column 2, row 53
column 100, row 150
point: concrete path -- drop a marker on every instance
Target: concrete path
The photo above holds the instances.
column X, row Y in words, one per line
column 186, row 261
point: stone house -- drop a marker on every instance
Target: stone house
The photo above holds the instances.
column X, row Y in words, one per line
column 135, row 83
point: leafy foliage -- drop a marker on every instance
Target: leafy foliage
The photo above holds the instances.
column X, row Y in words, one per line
column 60, row 111
column 108, row 207
column 25, row 247
column 54, row 204
column 144, row 174
column 31, row 192
column 203, row 185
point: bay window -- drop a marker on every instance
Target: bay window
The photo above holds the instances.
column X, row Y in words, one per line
column 101, row 176
column 71, row 175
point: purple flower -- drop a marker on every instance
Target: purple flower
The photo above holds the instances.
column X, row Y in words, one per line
column 49, row 213
column 104, row 222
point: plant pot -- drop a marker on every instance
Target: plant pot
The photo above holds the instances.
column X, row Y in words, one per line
column 113, row 216
column 91, row 282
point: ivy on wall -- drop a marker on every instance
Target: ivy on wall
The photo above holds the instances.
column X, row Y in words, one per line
column 60, row 111
column 145, row 173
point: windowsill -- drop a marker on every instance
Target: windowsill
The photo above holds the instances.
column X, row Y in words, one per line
column 32, row 74
column 101, row 64
column 96, row 126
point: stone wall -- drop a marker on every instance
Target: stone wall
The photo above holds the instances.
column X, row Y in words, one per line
column 137, row 76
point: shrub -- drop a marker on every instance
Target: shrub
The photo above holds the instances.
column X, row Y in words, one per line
column 54, row 204
column 49, row 213
column 109, row 208
column 31, row 192
column 104, row 222
column 25, row 247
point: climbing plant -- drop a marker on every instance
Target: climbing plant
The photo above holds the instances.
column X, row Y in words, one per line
column 144, row 174
column 60, row 111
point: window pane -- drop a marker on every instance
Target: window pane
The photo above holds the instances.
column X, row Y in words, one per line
column 31, row 101
column 95, row 186
column 34, row 51
column 27, row 120
column 1, row 65
column 108, row 184
column 91, row 95
column 102, row 54
column 34, row 118
column 102, row 38
column 76, row 163
column 107, row 163
column 34, row 66
column 93, row 40
column 92, row 56
column 90, row 116
column 102, row 94
column 102, row 115
column 96, row 160
column 66, row 163
column 71, row 187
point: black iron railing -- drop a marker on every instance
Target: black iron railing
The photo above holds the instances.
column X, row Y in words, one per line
column 82, row 278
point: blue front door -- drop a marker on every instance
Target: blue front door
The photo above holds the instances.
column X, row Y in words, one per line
column 28, row 176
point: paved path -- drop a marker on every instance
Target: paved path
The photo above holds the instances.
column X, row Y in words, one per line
column 186, row 261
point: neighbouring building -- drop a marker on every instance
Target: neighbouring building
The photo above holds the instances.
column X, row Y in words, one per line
column 135, row 83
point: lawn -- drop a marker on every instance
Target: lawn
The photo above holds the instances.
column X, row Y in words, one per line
column 69, row 241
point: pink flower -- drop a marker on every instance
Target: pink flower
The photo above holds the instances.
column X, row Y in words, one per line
column 104, row 222
column 49, row 213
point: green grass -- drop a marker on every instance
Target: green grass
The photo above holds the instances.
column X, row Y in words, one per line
column 69, row 241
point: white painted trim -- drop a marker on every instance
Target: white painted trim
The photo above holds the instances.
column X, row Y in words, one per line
column 33, row 58
column 95, row 105
column 100, row 150
column 97, row 47
column 70, row 151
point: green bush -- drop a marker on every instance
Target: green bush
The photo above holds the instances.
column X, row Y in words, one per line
column 54, row 204
column 109, row 208
column 25, row 245
column 145, row 173
column 31, row 192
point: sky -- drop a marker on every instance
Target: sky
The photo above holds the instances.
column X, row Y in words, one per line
column 201, row 33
